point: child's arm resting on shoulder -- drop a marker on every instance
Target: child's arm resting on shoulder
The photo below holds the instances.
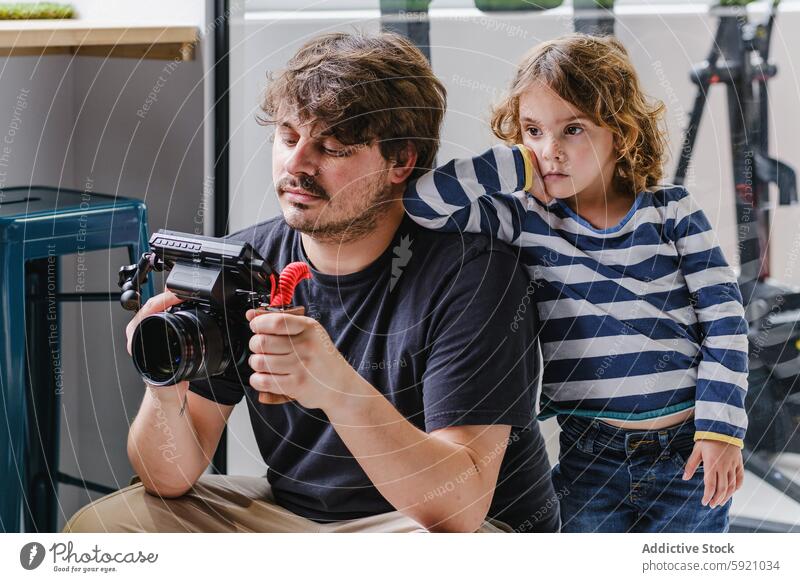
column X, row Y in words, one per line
column 484, row 194
column 720, row 417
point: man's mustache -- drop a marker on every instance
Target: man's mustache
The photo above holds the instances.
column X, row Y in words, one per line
column 304, row 182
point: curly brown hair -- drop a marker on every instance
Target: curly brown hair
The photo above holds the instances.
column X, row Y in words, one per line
column 363, row 88
column 595, row 75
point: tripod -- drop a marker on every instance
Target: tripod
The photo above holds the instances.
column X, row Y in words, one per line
column 739, row 59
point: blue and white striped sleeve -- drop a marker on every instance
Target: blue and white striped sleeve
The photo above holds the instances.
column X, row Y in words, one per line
column 485, row 194
column 722, row 373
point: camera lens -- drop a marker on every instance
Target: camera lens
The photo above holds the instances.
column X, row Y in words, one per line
column 172, row 347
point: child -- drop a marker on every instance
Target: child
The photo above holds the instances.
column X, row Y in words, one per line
column 642, row 328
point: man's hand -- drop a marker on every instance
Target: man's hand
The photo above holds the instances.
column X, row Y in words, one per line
column 293, row 355
column 155, row 304
column 724, row 470
column 538, row 190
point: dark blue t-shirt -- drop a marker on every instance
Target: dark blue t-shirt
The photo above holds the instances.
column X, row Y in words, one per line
column 430, row 324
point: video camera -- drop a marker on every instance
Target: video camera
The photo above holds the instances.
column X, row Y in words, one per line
column 207, row 334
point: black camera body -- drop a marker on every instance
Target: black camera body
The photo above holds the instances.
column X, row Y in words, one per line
column 207, row 334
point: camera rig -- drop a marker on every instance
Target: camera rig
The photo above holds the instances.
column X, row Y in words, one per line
column 198, row 265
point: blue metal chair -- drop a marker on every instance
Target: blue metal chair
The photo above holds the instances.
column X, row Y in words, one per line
column 37, row 225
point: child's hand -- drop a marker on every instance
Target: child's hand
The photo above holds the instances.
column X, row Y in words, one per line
column 724, row 470
column 538, row 190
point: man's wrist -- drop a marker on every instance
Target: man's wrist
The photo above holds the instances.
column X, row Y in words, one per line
column 351, row 398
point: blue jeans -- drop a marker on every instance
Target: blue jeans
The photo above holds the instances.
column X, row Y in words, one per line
column 617, row 480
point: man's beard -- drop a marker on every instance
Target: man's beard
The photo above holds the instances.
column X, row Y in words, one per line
column 361, row 220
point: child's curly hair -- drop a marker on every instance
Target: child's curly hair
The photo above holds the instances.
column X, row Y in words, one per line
column 595, row 75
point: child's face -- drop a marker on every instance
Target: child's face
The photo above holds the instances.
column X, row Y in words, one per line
column 576, row 157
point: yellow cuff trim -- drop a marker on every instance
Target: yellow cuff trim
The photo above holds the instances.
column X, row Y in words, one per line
column 715, row 436
column 526, row 157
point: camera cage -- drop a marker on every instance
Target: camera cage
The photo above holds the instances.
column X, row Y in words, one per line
column 202, row 268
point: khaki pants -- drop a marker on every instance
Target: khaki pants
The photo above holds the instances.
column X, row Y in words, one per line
column 224, row 503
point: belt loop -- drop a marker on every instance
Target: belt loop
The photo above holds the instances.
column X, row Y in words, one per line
column 663, row 439
column 588, row 438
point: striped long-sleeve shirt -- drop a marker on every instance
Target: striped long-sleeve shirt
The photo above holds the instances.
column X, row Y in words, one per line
column 638, row 321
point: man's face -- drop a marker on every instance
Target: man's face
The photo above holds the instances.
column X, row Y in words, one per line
column 326, row 189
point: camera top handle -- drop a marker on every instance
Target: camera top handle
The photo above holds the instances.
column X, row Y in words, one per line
column 167, row 247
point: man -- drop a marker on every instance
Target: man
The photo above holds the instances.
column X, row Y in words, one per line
column 412, row 392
